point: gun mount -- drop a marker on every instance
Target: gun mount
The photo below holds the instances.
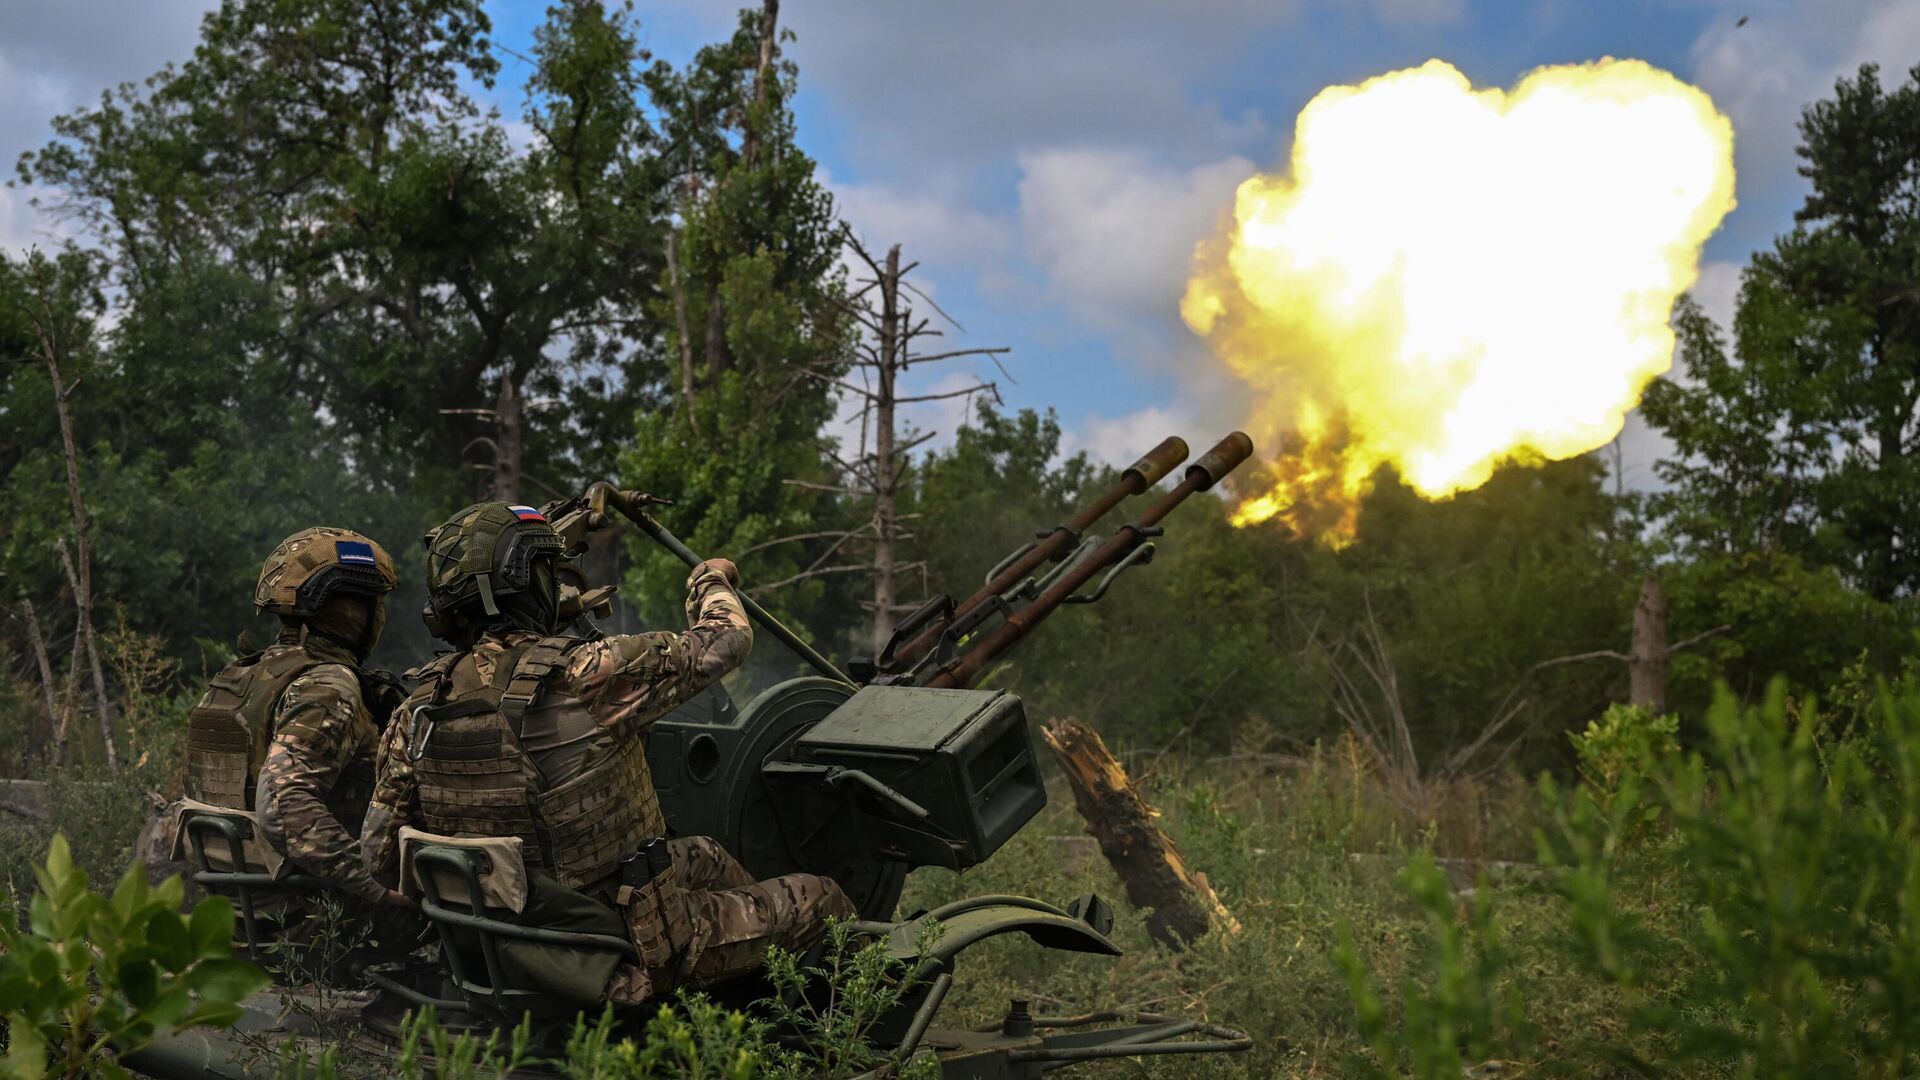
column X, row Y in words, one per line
column 861, row 775
column 900, row 764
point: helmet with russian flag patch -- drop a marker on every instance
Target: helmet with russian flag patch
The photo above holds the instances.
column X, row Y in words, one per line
column 480, row 554
column 314, row 564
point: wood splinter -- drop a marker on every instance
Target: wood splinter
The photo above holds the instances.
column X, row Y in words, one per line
column 1182, row 906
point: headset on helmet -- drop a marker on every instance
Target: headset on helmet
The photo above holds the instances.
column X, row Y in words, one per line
column 314, row 564
column 480, row 554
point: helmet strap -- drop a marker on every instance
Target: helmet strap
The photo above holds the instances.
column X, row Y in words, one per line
column 487, row 603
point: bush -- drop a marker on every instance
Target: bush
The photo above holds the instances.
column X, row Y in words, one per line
column 91, row 976
column 690, row 1038
column 1769, row 926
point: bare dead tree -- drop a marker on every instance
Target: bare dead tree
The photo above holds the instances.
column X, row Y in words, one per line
column 1648, row 652
column 1370, row 703
column 885, row 352
column 85, row 638
column 56, row 721
column 53, row 336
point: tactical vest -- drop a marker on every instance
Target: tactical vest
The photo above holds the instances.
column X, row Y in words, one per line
column 227, row 732
column 475, row 776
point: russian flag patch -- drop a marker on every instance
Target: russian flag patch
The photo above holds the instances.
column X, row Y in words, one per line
column 354, row 552
column 527, row 513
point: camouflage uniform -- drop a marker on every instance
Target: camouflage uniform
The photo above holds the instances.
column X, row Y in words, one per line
column 558, row 760
column 318, row 775
column 735, row 920
column 291, row 732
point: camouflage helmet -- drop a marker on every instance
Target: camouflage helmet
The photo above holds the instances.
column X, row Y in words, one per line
column 481, row 553
column 314, row 564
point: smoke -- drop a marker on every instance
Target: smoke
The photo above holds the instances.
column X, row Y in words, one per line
column 1449, row 278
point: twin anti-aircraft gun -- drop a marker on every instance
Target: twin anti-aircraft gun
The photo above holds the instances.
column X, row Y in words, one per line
column 865, row 773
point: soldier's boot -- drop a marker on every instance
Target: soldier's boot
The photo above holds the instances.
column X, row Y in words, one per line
column 733, row 928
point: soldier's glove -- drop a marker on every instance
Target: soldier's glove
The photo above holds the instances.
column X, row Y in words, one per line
column 726, row 568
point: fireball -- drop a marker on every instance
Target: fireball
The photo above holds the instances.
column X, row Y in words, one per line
column 1447, row 278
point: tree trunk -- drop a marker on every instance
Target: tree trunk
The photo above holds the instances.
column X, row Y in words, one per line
column 1183, row 906
column 85, row 642
column 769, row 36
column 510, row 418
column 1648, row 655
column 56, row 723
column 680, row 324
column 883, row 442
column 719, row 356
column 81, row 575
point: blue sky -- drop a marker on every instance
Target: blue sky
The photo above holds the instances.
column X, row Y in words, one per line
column 1053, row 163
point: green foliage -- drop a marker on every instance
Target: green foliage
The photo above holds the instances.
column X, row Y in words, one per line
column 1768, row 930
column 697, row 1039
column 764, row 332
column 1800, row 441
column 1784, row 616
column 90, row 976
column 862, row 984
column 1465, row 1012
column 691, row 1037
column 1802, row 875
column 429, row 1050
column 1627, row 739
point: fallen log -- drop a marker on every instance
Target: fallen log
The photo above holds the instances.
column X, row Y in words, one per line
column 1182, row 906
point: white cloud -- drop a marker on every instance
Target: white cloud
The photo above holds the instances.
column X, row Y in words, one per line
column 1115, row 232
column 1762, row 74
column 1718, row 290
column 939, row 230
column 1120, row 440
column 1640, row 448
column 22, row 225
column 961, row 87
column 941, row 419
column 57, row 57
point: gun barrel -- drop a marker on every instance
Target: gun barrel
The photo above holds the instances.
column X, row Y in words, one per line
column 1203, row 474
column 1138, row 477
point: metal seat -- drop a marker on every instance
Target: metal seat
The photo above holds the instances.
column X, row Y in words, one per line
column 476, row 927
column 212, row 834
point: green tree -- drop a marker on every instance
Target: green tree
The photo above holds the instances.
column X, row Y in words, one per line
column 1802, row 441
column 758, row 316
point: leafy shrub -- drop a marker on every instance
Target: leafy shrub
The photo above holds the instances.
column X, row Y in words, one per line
column 692, row 1037
column 862, row 985
column 1768, row 927
column 697, row 1040
column 93, row 976
column 1626, row 739
column 1464, row 1011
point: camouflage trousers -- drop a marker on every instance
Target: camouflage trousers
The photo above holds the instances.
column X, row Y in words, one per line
column 735, row 920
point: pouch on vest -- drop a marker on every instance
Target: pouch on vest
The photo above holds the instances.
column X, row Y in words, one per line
column 658, row 922
column 227, row 732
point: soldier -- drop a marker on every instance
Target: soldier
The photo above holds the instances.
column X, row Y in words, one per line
column 291, row 732
column 527, row 734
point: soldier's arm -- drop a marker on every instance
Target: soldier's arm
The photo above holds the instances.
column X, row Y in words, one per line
column 395, row 801
column 312, row 739
column 636, row 679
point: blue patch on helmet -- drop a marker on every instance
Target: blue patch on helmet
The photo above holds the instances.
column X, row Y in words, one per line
column 354, row 552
